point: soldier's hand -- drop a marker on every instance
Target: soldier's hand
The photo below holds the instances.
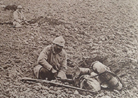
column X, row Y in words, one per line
column 53, row 71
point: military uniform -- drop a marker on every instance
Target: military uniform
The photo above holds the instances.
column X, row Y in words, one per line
column 19, row 18
column 49, row 60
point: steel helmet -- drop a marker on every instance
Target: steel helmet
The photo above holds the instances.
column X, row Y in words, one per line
column 19, row 7
column 59, row 41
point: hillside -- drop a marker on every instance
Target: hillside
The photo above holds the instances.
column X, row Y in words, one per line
column 104, row 30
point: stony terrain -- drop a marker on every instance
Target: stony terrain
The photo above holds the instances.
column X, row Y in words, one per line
column 104, row 30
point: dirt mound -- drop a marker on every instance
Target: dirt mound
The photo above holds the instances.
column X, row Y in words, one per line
column 93, row 29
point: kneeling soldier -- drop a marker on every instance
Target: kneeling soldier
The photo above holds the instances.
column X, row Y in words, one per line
column 52, row 61
column 19, row 18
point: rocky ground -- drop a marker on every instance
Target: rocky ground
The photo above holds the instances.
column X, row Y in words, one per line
column 104, row 30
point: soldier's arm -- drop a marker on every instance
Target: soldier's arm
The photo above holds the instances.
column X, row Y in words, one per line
column 42, row 59
column 16, row 17
column 62, row 72
column 24, row 18
column 64, row 63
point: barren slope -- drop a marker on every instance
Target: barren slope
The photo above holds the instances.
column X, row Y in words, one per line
column 104, row 30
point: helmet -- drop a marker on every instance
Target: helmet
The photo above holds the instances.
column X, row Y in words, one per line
column 59, row 41
column 19, row 7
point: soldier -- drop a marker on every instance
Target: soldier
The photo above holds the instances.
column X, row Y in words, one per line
column 19, row 17
column 2, row 5
column 52, row 61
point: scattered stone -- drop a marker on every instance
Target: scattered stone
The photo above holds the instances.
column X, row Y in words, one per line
column 105, row 96
column 17, row 60
column 117, row 34
column 76, row 92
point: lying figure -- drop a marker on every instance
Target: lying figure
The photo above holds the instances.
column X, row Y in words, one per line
column 96, row 77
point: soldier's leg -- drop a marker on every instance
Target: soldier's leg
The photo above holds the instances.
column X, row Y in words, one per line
column 36, row 70
column 44, row 73
column 16, row 24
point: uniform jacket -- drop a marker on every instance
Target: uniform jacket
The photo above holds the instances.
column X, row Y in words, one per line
column 49, row 59
column 18, row 16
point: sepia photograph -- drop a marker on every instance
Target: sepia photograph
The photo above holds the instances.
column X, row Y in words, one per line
column 68, row 48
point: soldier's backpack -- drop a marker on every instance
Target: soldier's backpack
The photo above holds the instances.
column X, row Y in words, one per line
column 106, row 76
column 89, row 83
